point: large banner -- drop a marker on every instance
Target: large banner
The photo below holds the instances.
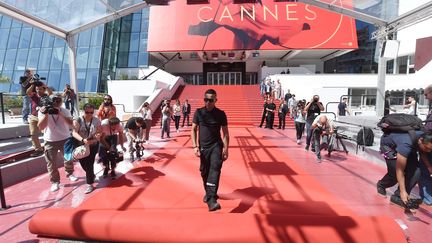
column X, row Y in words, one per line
column 265, row 25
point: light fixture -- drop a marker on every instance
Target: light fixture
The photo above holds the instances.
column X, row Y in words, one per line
column 231, row 55
column 214, row 56
column 255, row 54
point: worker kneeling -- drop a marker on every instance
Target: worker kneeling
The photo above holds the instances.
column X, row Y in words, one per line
column 321, row 128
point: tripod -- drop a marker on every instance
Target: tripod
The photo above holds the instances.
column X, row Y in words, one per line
column 336, row 140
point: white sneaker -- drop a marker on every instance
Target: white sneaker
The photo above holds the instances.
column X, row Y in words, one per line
column 55, row 187
column 89, row 189
column 298, row 141
column 72, row 177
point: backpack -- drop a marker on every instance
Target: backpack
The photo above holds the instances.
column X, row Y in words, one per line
column 401, row 123
column 365, row 137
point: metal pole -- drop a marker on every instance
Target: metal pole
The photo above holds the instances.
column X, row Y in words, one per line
column 382, row 69
column 2, row 195
column 70, row 40
column 2, row 108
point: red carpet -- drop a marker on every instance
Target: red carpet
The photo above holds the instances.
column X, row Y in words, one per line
column 265, row 197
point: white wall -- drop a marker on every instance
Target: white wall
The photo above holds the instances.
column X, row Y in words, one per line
column 336, row 85
column 133, row 93
column 408, row 36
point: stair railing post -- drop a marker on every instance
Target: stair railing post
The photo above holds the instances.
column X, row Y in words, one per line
column 2, row 195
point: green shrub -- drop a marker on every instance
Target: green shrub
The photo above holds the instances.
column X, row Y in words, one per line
column 12, row 101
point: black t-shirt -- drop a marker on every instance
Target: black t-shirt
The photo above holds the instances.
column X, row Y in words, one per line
column 342, row 109
column 210, row 123
column 313, row 111
column 131, row 124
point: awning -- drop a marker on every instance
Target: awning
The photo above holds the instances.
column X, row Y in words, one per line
column 423, row 53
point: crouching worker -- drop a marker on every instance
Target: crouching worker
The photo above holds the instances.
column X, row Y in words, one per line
column 400, row 151
column 111, row 129
column 321, row 127
column 135, row 132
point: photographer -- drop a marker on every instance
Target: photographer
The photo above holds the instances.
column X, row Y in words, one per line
column 321, row 127
column 135, row 131
column 299, row 119
column 55, row 122
column 166, row 118
column 69, row 98
column 400, row 151
column 110, row 128
column 36, row 92
column 86, row 130
column 147, row 115
column 107, row 110
column 313, row 109
column 25, row 82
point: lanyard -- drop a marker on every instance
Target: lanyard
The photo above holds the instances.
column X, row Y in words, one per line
column 89, row 127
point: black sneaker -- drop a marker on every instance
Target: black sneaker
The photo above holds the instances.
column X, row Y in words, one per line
column 37, row 153
column 213, row 205
column 113, row 174
column 307, row 147
column 313, row 149
column 381, row 190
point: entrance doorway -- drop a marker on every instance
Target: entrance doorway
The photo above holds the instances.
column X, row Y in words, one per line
column 224, row 78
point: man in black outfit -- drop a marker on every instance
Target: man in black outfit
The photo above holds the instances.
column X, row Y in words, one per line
column 271, row 107
column 283, row 110
column 210, row 147
column 186, row 110
column 264, row 113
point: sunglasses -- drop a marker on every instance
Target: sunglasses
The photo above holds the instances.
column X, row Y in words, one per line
column 89, row 112
column 209, row 100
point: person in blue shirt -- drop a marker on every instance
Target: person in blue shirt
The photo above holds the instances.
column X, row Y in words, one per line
column 401, row 151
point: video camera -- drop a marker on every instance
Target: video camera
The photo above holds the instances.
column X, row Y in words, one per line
column 115, row 156
column 48, row 102
column 36, row 78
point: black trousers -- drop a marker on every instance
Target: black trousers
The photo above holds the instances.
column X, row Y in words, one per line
column 282, row 120
column 210, row 168
column 412, row 175
column 107, row 158
column 88, row 162
column 262, row 118
column 186, row 117
column 299, row 129
column 270, row 120
column 177, row 122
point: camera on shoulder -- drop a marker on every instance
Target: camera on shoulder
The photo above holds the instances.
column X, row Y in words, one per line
column 48, row 102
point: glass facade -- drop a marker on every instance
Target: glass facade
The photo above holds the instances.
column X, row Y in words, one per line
column 361, row 60
column 120, row 43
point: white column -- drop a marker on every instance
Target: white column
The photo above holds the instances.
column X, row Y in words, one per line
column 70, row 40
column 382, row 69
